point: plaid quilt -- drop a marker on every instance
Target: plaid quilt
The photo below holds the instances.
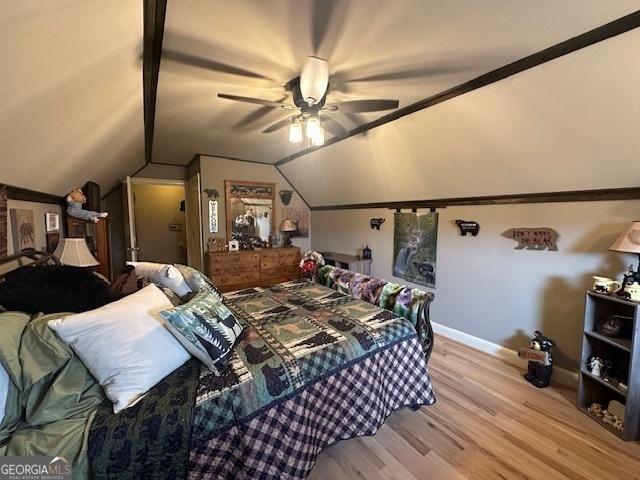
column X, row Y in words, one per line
column 314, row 367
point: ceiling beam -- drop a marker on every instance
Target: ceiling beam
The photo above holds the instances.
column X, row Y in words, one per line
column 154, row 14
column 611, row 29
column 606, row 194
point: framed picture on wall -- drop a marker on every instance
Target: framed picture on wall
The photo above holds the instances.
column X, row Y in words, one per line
column 23, row 230
column 52, row 222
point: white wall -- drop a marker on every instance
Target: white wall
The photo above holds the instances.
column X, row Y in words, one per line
column 214, row 171
column 486, row 288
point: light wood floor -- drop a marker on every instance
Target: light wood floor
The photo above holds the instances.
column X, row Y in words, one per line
column 488, row 423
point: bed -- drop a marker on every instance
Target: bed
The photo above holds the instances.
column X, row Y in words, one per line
column 314, row 366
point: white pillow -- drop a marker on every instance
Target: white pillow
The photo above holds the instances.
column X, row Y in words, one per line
column 125, row 344
column 163, row 274
column 4, row 391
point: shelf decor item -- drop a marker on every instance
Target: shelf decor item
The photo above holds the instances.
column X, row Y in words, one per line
column 629, row 242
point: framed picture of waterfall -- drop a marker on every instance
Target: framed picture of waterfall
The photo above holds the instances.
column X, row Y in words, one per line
column 415, row 240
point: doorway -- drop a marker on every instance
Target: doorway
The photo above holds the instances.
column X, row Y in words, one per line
column 160, row 221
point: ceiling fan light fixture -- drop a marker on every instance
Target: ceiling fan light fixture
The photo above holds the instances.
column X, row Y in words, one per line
column 295, row 131
column 318, row 139
column 314, row 80
column 313, row 126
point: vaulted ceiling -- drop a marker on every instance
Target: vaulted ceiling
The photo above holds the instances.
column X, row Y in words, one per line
column 71, row 105
column 405, row 49
column 71, row 92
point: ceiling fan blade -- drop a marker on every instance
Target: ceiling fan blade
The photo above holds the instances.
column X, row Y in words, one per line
column 331, row 126
column 356, row 106
column 207, row 64
column 322, row 16
column 278, row 125
column 256, row 101
column 253, row 117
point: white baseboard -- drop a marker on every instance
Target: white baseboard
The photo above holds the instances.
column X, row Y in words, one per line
column 560, row 375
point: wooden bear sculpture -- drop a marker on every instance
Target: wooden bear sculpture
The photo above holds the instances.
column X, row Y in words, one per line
column 540, row 366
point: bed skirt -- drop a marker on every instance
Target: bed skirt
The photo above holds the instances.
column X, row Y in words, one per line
column 283, row 441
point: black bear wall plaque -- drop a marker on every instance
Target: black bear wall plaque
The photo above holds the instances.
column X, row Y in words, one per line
column 377, row 223
column 467, row 226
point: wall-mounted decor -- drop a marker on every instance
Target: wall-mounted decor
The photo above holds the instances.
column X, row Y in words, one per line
column 213, row 216
column 299, row 216
column 377, row 223
column 286, row 196
column 23, row 229
column 3, row 221
column 467, row 226
column 415, row 240
column 539, row 238
column 52, row 222
column 250, row 212
column 175, row 227
column 211, row 192
column 52, row 229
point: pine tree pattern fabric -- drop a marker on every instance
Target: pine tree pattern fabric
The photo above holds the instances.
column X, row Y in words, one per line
column 206, row 328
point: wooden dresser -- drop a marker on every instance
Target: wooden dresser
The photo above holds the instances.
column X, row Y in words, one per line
column 253, row 268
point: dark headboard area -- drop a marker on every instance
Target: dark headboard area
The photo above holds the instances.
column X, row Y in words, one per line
column 3, row 221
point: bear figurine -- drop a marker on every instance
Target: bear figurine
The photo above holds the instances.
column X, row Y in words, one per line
column 539, row 373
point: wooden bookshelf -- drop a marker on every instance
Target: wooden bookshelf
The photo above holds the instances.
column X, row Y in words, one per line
column 624, row 350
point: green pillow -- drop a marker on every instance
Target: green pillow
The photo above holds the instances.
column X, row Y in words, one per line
column 206, row 328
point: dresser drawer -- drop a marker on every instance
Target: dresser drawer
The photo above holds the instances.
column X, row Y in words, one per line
column 225, row 280
column 271, row 274
column 280, row 258
column 217, row 269
column 244, row 258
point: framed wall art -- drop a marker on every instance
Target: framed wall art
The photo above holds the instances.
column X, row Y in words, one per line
column 415, row 240
column 23, row 230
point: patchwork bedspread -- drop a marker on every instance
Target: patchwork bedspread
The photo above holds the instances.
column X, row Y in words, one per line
column 315, row 366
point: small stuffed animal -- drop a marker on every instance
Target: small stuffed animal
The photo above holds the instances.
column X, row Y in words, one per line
column 539, row 374
column 75, row 200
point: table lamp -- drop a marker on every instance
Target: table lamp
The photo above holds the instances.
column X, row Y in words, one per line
column 629, row 242
column 287, row 227
column 75, row 252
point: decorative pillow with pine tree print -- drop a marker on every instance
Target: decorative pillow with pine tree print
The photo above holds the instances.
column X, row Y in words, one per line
column 206, row 328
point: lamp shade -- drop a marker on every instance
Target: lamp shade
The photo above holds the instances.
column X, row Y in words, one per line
column 75, row 252
column 288, row 226
column 629, row 240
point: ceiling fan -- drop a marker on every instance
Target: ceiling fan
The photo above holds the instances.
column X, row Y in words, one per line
column 310, row 107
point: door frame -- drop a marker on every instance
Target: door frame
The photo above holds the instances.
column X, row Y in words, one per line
column 128, row 184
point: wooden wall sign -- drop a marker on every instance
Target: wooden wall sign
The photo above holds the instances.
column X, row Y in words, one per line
column 467, row 226
column 539, row 238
